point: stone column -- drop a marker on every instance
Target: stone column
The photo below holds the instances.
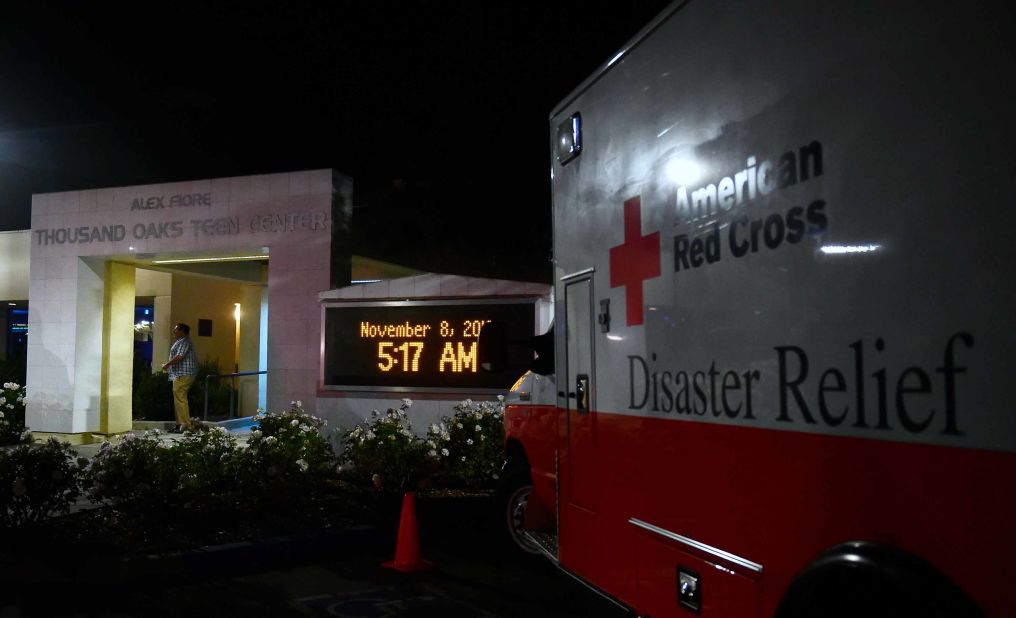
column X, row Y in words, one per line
column 161, row 329
column 117, row 348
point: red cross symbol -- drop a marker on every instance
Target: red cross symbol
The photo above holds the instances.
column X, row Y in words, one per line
column 635, row 260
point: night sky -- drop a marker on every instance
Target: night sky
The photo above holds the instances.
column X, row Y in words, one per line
column 438, row 110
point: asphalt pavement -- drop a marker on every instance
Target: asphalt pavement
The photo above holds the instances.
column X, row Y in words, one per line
column 473, row 574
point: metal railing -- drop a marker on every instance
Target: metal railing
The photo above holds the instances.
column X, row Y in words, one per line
column 232, row 388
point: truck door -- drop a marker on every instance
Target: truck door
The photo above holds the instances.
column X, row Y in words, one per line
column 579, row 467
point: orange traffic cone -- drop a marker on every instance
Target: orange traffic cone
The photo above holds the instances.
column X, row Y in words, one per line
column 407, row 550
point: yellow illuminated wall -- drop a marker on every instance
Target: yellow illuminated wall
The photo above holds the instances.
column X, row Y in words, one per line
column 117, row 348
column 196, row 298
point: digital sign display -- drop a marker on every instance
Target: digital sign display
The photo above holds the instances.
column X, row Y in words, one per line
column 420, row 344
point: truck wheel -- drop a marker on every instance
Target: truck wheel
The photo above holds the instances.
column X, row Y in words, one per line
column 513, row 494
column 874, row 581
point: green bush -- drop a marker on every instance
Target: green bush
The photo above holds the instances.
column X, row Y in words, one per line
column 286, row 456
column 12, row 414
column 37, row 482
column 153, row 394
column 470, row 444
column 153, row 397
column 192, row 481
column 206, row 477
column 140, row 477
column 211, row 466
column 218, row 392
column 383, row 453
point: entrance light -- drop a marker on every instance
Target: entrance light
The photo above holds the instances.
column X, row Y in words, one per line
column 236, row 311
column 237, row 258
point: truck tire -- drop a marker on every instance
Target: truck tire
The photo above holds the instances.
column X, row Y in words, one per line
column 874, row 581
column 512, row 496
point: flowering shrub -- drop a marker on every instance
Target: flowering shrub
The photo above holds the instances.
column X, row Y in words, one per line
column 470, row 444
column 383, row 452
column 286, row 454
column 12, row 414
column 139, row 476
column 209, row 464
column 37, row 482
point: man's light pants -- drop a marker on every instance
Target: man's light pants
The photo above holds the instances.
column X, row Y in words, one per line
column 181, row 385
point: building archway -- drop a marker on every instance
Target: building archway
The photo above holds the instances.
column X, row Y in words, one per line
column 86, row 247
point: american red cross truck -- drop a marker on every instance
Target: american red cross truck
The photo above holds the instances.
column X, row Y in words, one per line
column 783, row 374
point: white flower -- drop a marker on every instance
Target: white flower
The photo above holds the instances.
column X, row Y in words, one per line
column 444, row 452
column 463, row 458
column 10, row 406
column 271, row 440
column 1, row 414
column 407, row 402
column 431, row 444
column 469, row 441
column 458, row 425
column 294, row 422
column 3, row 400
column 370, row 435
column 432, row 453
column 495, row 477
column 306, row 428
column 483, row 437
column 499, row 398
column 302, row 463
column 478, row 428
column 255, row 433
column 299, row 403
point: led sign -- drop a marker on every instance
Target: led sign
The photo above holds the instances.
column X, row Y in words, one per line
column 419, row 344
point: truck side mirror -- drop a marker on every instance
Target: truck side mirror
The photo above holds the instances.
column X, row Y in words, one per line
column 493, row 344
column 543, row 345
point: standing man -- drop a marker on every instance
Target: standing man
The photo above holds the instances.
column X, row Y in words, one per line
column 182, row 367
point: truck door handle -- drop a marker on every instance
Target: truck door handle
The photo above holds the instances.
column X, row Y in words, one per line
column 582, row 392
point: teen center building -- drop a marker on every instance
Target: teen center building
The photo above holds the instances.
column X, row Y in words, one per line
column 194, row 252
column 245, row 261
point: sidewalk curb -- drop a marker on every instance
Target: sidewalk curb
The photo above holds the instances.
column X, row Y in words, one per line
column 204, row 563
